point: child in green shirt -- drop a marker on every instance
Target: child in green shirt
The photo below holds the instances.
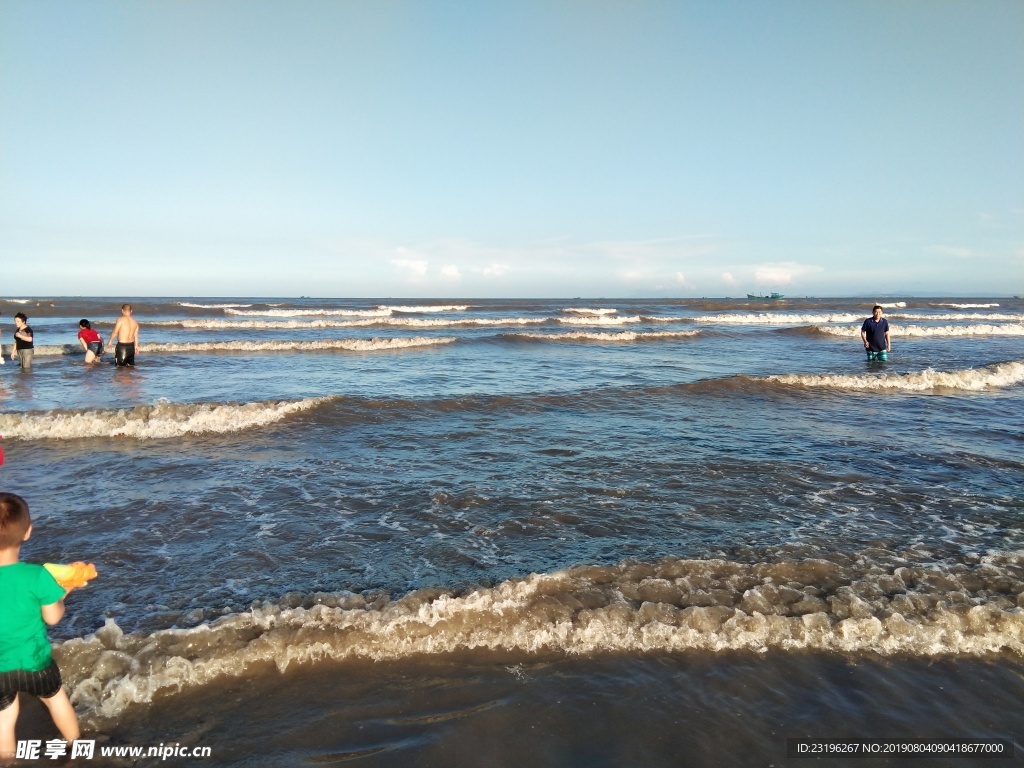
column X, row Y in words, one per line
column 29, row 596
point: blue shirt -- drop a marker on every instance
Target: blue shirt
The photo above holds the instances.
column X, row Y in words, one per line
column 876, row 330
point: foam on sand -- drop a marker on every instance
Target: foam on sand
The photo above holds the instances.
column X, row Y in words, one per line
column 151, row 422
column 970, row 380
column 861, row 607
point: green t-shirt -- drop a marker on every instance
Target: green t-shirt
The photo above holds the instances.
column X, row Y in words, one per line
column 24, row 589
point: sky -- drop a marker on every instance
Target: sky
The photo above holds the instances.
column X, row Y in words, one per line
column 526, row 148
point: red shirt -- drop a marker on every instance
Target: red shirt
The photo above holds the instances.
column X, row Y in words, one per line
column 88, row 335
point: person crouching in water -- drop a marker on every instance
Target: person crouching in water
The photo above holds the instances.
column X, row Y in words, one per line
column 30, row 598
column 91, row 340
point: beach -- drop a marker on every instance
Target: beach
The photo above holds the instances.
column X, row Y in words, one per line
column 411, row 532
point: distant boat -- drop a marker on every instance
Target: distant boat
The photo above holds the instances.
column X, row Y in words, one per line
column 770, row 297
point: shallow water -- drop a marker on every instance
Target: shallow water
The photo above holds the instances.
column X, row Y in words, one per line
column 709, row 492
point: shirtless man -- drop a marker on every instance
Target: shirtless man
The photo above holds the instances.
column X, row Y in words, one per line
column 126, row 331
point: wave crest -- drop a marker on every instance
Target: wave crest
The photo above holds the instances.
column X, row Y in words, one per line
column 151, row 422
column 925, row 330
column 674, row 605
column 309, row 312
column 598, row 336
column 353, row 345
column 210, row 306
column 970, row 380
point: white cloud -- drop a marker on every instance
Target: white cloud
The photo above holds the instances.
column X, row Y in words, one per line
column 729, row 279
column 450, row 272
column 495, row 270
column 783, row 273
column 680, row 278
column 414, row 269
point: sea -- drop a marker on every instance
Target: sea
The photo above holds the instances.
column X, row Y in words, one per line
column 580, row 532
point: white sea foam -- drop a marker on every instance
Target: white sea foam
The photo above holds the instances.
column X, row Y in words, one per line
column 18, row 301
column 931, row 330
column 310, row 312
column 970, row 306
column 671, row 606
column 599, row 320
column 590, row 310
column 210, row 306
column 940, row 317
column 148, row 422
column 426, row 308
column 354, row 345
column 892, row 304
column 666, row 319
column 970, row 380
column 398, row 322
column 597, row 336
column 49, row 350
column 777, row 318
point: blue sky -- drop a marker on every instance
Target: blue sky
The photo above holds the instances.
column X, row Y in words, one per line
column 555, row 148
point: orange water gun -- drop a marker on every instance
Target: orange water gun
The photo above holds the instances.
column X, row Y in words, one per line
column 71, row 576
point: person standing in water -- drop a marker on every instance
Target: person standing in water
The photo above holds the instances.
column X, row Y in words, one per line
column 875, row 335
column 126, row 331
column 24, row 348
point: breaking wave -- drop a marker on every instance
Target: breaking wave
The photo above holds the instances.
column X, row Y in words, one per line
column 401, row 322
column 862, row 606
column 353, row 345
column 895, row 304
column 151, row 422
column 596, row 336
column 1017, row 317
column 777, row 318
column 924, row 330
column 310, row 312
column 426, row 308
column 210, row 306
column 971, row 380
column 970, row 306
column 590, row 311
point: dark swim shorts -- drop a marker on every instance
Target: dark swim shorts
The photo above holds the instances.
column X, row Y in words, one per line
column 44, row 684
column 96, row 347
column 124, row 354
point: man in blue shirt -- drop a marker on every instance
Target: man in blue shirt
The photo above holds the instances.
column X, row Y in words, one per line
column 875, row 335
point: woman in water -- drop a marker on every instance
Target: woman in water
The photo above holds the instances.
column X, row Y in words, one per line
column 91, row 341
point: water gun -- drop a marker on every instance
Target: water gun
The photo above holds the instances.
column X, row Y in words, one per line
column 71, row 576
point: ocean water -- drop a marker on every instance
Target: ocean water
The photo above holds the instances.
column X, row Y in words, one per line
column 530, row 532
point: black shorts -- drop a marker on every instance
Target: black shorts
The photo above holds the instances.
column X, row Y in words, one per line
column 96, row 347
column 124, row 353
column 44, row 684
